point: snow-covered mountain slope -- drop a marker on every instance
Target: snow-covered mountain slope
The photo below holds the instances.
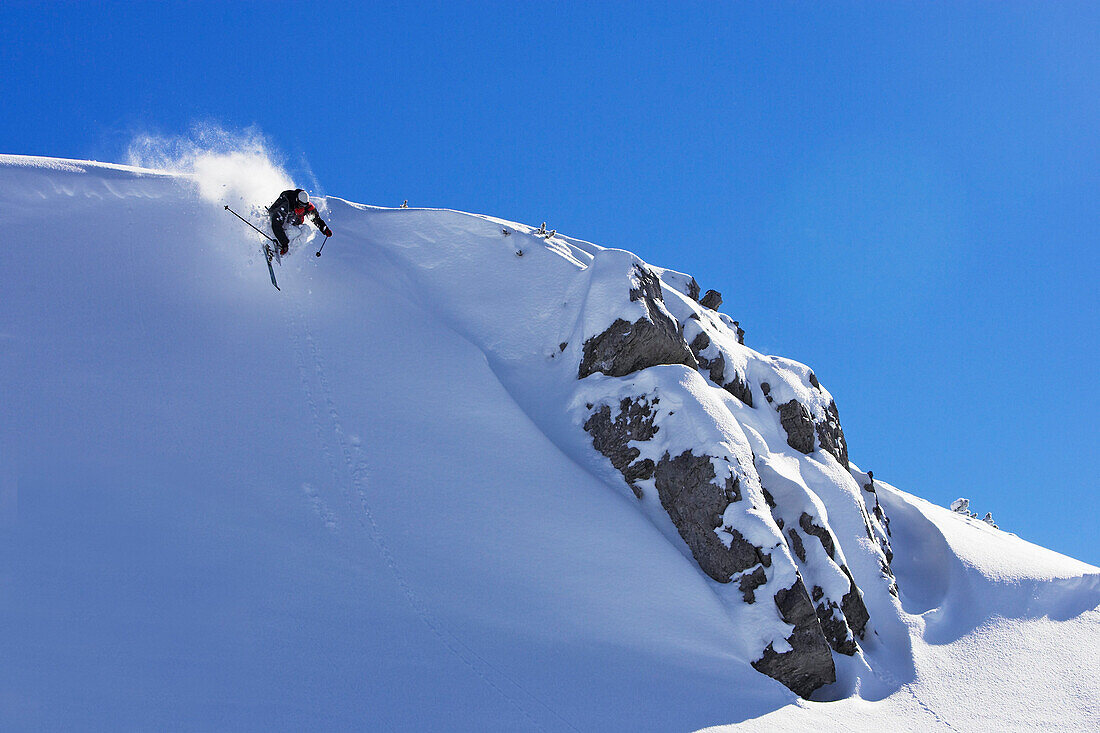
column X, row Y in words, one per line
column 435, row 485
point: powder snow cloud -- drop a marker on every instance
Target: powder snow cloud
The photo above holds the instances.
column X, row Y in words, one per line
column 236, row 167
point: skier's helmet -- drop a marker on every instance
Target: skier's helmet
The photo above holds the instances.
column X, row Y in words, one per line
column 303, row 198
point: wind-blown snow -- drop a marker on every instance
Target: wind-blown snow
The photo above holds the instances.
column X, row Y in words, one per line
column 365, row 501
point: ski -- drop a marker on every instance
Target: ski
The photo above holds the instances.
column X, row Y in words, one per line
column 268, row 254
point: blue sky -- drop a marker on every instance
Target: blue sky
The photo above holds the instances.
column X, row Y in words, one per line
column 902, row 195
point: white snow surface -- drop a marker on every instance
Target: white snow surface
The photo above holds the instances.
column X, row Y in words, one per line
column 366, row 502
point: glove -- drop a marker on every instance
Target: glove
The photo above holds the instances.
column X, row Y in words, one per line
column 327, row 232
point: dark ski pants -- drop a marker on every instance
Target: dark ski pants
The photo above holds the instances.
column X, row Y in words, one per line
column 280, row 234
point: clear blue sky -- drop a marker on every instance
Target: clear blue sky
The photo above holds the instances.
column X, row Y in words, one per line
column 902, row 195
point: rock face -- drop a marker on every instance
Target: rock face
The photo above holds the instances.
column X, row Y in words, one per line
column 667, row 431
column 798, row 422
column 831, row 435
column 654, row 339
column 612, row 437
column 878, row 524
column 840, row 621
column 855, row 611
column 712, row 300
column 696, row 503
column 806, row 522
column 808, row 665
column 716, row 368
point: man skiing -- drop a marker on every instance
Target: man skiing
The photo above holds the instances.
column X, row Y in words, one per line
column 292, row 207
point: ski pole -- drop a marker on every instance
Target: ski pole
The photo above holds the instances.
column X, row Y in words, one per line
column 246, row 221
column 321, row 247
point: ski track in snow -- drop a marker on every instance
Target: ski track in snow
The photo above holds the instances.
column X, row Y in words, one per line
column 889, row 679
column 350, row 468
column 318, row 427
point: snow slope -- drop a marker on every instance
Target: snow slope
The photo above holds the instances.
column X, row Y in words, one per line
column 364, row 502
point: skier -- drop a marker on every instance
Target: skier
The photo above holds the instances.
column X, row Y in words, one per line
column 292, row 207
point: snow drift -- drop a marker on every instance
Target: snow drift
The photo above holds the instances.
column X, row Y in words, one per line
column 460, row 473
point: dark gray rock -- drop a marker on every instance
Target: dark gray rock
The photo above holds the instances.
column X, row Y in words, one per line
column 740, row 332
column 887, row 573
column 806, row 522
column 831, row 435
column 712, row 300
column 750, row 582
column 740, row 389
column 884, row 519
column 809, row 663
column 625, row 347
column 716, row 369
column 695, row 502
column 797, row 547
column 835, row 628
column 799, row 424
column 693, row 290
column 798, row 421
column 855, row 610
column 832, row 617
column 768, row 498
column 612, row 436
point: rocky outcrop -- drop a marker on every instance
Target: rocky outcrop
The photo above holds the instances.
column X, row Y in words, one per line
column 809, row 663
column 799, row 425
column 831, row 434
column 693, row 290
column 750, row 582
column 612, row 437
column 839, row 621
column 668, row 436
column 715, row 367
column 878, row 524
column 834, row 624
column 843, row 622
column 855, row 610
column 624, row 347
column 696, row 501
column 796, row 545
column 712, row 299
column 806, row 522
column 851, row 606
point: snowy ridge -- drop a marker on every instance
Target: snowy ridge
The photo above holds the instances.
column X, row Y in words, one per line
column 474, row 492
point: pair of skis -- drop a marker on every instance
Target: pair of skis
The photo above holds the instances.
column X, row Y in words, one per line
column 268, row 252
